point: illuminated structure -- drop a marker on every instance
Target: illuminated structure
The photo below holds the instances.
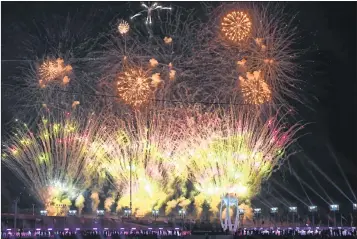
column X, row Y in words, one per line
column 236, row 26
column 313, row 210
column 229, row 202
column 334, row 208
column 293, row 210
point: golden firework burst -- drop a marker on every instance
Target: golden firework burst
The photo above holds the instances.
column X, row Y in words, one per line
column 254, row 89
column 123, row 27
column 236, row 26
column 134, row 86
column 54, row 70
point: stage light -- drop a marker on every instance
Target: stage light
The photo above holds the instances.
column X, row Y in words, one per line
column 66, row 229
column 77, row 229
column 292, row 209
column 273, row 210
column 354, row 206
column 100, row 212
column 334, row 208
column 43, row 213
column 312, row 208
column 49, row 229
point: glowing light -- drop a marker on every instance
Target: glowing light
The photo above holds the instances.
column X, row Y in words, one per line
column 153, row 62
column 254, row 89
column 123, row 27
column 75, row 103
column 236, row 26
column 167, row 40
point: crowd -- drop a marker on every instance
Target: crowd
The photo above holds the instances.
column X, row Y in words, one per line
column 167, row 234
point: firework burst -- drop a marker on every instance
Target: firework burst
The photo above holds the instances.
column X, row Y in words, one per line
column 236, row 26
column 254, row 89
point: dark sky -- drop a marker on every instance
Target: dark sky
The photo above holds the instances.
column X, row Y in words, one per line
column 328, row 31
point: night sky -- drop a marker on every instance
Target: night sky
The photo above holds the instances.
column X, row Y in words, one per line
column 328, row 32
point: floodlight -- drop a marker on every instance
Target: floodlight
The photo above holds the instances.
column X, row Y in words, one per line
column 100, row 212
column 241, row 211
column 72, row 212
column 43, row 213
column 182, row 212
column 312, row 208
column 127, row 212
column 334, row 208
column 273, row 210
column 257, row 210
column 292, row 209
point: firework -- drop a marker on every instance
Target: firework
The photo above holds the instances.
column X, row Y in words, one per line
column 236, row 26
column 235, row 152
column 51, row 161
column 123, row 27
column 254, row 89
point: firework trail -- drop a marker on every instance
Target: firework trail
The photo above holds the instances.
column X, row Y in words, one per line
column 51, row 160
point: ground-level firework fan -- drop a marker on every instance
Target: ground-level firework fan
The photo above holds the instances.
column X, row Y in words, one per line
column 51, row 158
column 234, row 152
column 144, row 143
